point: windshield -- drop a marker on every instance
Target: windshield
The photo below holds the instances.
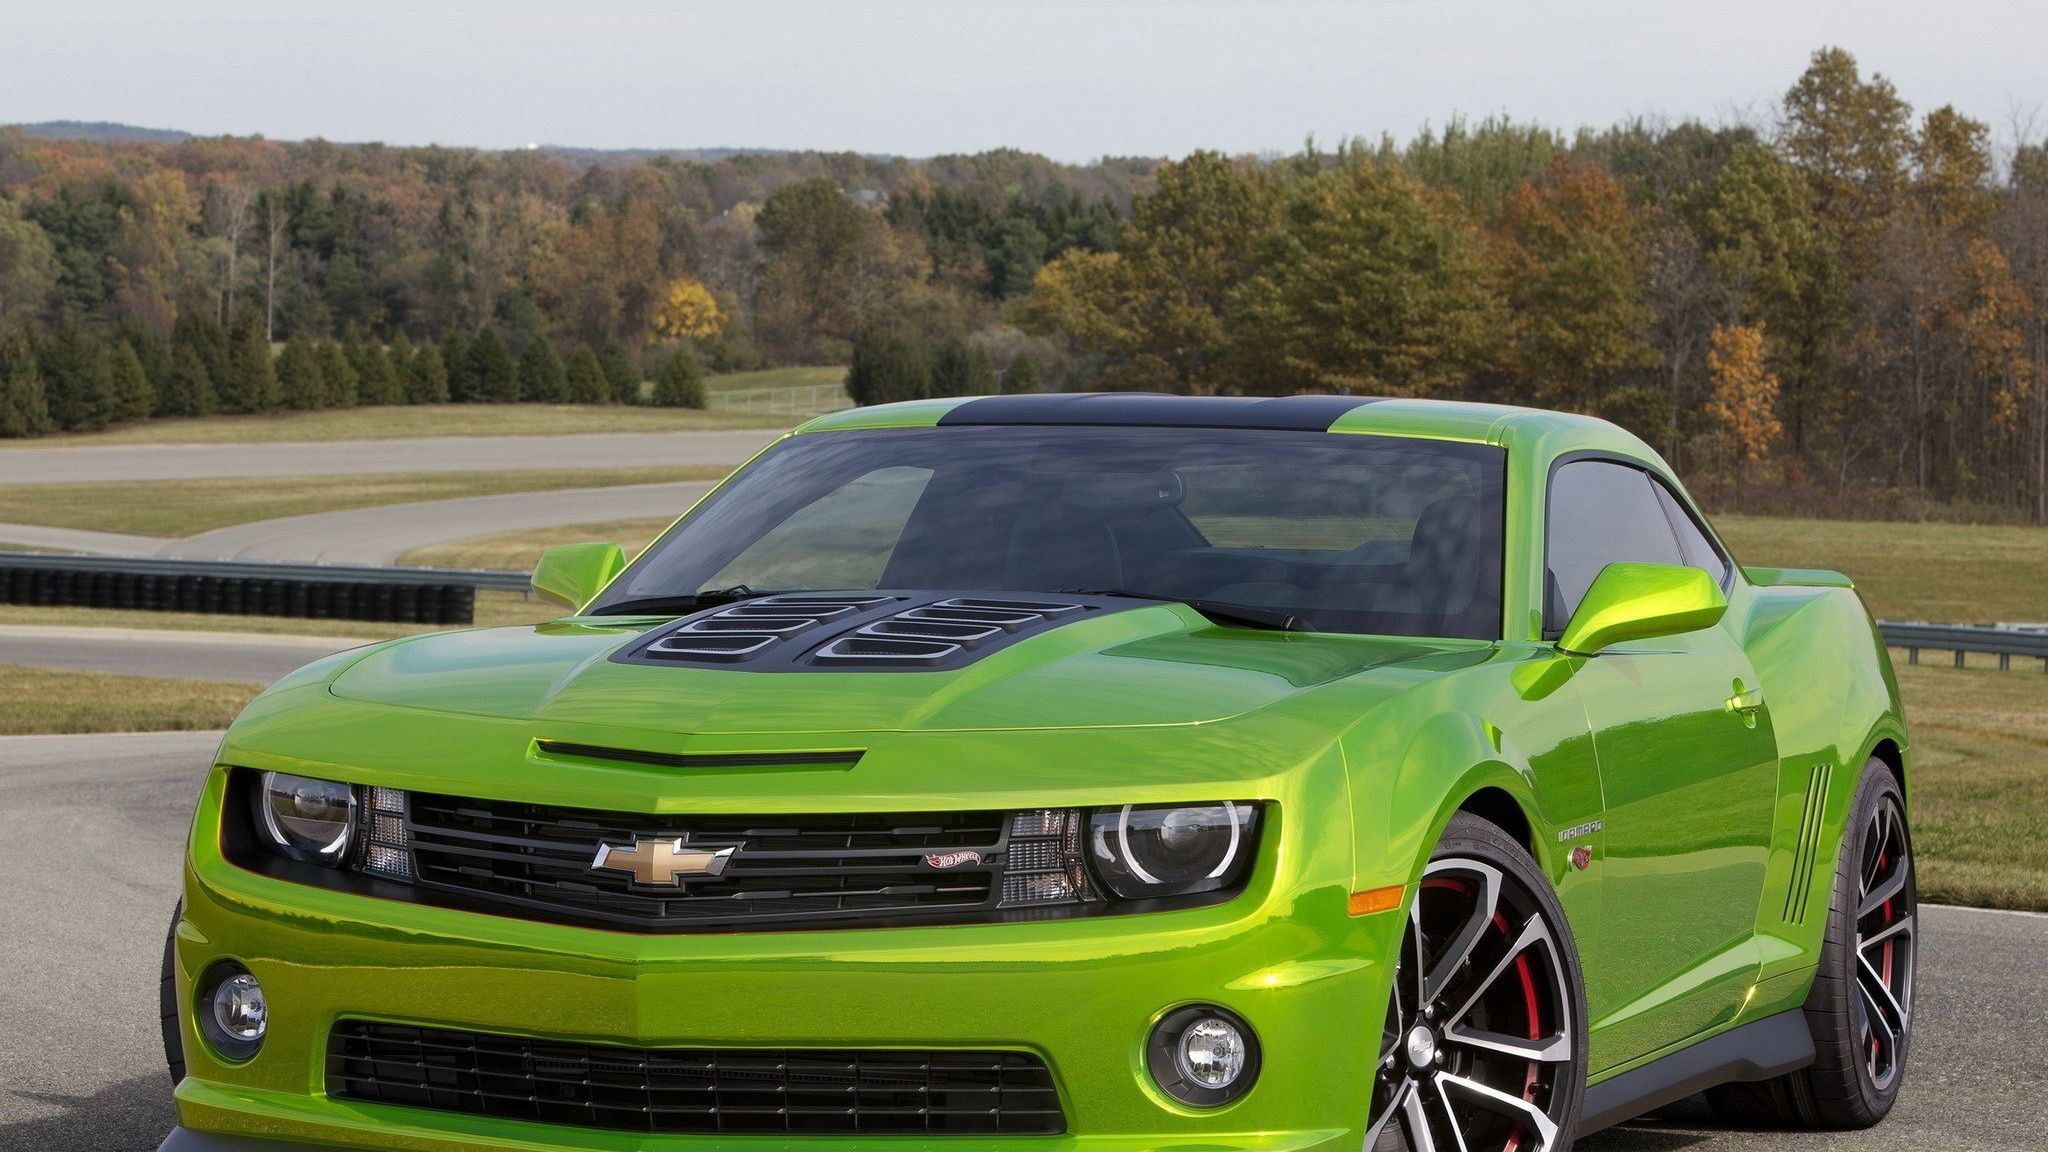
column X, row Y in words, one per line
column 1346, row 533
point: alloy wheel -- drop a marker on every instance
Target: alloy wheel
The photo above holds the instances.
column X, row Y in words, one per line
column 1478, row 1042
column 1886, row 923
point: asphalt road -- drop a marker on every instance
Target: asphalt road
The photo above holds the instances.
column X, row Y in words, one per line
column 253, row 657
column 50, row 465
column 382, row 534
column 80, row 1069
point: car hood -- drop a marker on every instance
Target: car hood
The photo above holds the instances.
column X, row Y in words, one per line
column 1147, row 666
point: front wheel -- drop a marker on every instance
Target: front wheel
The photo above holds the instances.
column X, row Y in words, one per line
column 1484, row 1046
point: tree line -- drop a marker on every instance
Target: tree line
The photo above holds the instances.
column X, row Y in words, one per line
column 1848, row 303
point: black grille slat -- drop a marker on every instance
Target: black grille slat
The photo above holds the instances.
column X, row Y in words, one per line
column 661, row 1090
column 537, row 860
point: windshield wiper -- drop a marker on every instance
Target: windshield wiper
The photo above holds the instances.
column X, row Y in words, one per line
column 1219, row 611
column 677, row 605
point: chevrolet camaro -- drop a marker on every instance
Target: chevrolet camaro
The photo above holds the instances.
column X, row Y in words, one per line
column 1090, row 772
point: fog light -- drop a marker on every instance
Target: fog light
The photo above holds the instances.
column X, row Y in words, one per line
column 232, row 1011
column 1203, row 1056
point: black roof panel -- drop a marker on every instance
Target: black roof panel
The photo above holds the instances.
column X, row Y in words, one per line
column 1295, row 413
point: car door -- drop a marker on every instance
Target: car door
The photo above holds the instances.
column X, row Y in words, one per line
column 1688, row 771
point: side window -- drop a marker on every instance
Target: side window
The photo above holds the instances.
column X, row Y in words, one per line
column 1600, row 513
column 1693, row 542
column 842, row 539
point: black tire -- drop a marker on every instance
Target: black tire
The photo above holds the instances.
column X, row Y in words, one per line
column 167, row 1002
column 1848, row 1086
column 1545, row 961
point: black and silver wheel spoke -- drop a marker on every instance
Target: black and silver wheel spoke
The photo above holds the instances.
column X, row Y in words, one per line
column 1478, row 1036
column 1886, row 935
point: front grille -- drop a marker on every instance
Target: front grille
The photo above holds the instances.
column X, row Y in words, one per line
column 784, row 871
column 820, row 1091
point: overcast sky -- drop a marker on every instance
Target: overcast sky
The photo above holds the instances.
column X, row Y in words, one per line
column 1075, row 80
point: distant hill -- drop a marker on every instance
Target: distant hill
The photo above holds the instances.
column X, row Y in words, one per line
column 101, row 130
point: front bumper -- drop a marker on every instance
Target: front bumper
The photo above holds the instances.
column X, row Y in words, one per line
column 1081, row 993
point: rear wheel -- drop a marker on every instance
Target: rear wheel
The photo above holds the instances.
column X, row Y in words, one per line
column 1484, row 1044
column 1861, row 1006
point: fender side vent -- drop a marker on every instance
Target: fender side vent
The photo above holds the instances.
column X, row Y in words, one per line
column 839, row 759
column 1808, row 851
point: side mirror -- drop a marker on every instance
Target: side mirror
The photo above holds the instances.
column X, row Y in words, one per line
column 1638, row 601
column 573, row 574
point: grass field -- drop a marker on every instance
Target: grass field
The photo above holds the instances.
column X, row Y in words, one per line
column 1980, row 784
column 1952, row 573
column 413, row 421
column 521, row 549
column 184, row 507
column 43, row 700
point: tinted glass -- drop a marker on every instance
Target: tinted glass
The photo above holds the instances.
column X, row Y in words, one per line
column 1693, row 543
column 1351, row 533
column 1600, row 514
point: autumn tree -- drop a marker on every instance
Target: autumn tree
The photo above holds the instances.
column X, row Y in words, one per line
column 28, row 269
column 1744, row 398
column 689, row 312
column 831, row 265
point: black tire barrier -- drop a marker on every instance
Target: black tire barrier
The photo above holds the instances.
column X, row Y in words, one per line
column 368, row 600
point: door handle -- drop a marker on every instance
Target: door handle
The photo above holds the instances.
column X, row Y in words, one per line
column 1746, row 703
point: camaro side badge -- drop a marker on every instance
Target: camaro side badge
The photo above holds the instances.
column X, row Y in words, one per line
column 952, row 859
column 1578, row 830
column 661, row 861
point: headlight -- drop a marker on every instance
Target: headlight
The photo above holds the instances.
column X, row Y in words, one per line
column 306, row 819
column 1145, row 851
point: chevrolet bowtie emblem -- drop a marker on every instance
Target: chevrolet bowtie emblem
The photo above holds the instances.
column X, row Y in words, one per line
column 660, row 861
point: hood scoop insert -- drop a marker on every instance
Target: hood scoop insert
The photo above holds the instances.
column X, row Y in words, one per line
column 820, row 631
column 826, row 759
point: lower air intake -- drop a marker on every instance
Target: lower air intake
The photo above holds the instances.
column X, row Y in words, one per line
column 826, row 1092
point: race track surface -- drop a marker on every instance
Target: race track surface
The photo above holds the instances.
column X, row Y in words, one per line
column 253, row 657
column 81, row 933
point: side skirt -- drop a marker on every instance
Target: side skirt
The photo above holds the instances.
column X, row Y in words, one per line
column 1757, row 1050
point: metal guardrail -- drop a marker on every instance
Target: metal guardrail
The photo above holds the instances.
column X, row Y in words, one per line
column 1962, row 639
column 284, row 588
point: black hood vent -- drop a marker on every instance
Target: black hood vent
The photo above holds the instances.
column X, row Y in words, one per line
column 819, row 631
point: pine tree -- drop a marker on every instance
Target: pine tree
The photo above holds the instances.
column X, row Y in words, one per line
column 400, row 356
column 155, row 354
column 428, row 381
column 492, row 377
column 1021, row 376
column 541, row 380
column 299, row 384
column 680, row 383
column 586, row 382
column 23, row 411
column 888, row 364
column 188, row 389
column 76, row 382
column 376, row 383
column 251, row 381
column 337, row 375
column 455, row 362
column 620, row 372
column 134, row 398
column 198, row 330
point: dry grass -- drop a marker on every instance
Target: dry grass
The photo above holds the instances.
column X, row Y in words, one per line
column 521, row 549
column 184, row 507
column 1953, row 573
column 408, row 422
column 41, row 700
column 1980, row 784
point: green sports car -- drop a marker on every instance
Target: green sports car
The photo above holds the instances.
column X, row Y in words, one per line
column 1092, row 772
